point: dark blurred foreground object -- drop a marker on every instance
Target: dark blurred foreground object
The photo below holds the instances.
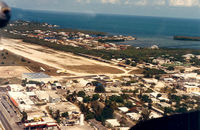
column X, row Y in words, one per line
column 186, row 121
column 5, row 14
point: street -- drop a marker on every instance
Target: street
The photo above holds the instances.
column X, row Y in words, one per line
column 8, row 116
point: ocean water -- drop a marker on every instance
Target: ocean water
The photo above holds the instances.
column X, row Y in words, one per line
column 148, row 30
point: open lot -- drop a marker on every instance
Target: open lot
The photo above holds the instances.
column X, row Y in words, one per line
column 52, row 60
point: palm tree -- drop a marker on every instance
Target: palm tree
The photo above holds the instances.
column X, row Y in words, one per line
column 145, row 115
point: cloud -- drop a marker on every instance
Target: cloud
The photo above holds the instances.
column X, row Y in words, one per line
column 110, row 1
column 159, row 2
column 184, row 3
column 173, row 3
column 83, row 1
column 141, row 2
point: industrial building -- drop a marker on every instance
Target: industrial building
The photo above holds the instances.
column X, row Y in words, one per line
column 22, row 101
column 38, row 77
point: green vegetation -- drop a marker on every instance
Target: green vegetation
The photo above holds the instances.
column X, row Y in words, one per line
column 24, row 116
column 149, row 73
column 95, row 97
column 81, row 94
column 170, row 68
column 99, row 89
column 65, row 114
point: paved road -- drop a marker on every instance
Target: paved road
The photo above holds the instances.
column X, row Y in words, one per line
column 5, row 122
column 7, row 115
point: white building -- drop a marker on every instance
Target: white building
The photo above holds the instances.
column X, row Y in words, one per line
column 42, row 95
column 150, row 80
column 15, row 87
column 123, row 109
column 39, row 77
column 112, row 122
column 134, row 116
column 22, row 101
column 53, row 97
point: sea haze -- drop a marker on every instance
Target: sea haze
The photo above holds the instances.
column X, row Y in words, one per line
column 148, row 30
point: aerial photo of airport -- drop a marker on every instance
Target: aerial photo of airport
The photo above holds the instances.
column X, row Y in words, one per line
column 57, row 78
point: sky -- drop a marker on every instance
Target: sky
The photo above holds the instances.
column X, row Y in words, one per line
column 164, row 8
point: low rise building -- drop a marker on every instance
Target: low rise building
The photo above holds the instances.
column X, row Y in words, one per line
column 112, row 122
column 53, row 97
column 190, row 89
column 22, row 101
column 134, row 116
column 39, row 77
column 15, row 87
column 42, row 95
column 123, row 109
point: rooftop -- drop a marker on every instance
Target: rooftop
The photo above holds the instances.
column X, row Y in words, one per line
column 36, row 75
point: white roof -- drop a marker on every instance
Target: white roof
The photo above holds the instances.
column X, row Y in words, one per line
column 23, row 100
column 196, row 93
column 53, row 94
column 15, row 87
column 186, row 75
column 164, row 104
column 113, row 122
column 30, row 85
column 150, row 80
column 133, row 115
column 123, row 109
column 162, row 98
column 168, row 79
column 30, row 93
column 155, row 115
column 80, row 99
column 42, row 95
column 154, row 94
column 188, row 86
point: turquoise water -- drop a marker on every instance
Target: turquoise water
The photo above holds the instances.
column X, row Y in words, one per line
column 148, row 30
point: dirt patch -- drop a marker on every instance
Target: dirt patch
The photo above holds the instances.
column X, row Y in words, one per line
column 10, row 62
column 12, row 71
column 136, row 71
column 95, row 69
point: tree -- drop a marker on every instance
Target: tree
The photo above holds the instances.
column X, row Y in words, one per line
column 65, row 114
column 129, row 104
column 157, row 77
column 68, row 92
column 86, row 99
column 95, row 97
column 149, row 105
column 175, row 98
column 145, row 115
column 115, row 98
column 89, row 115
column 168, row 110
column 133, row 64
column 145, row 98
column 181, row 110
column 99, row 89
column 83, row 108
column 107, row 112
column 185, row 97
column 127, row 62
column 182, row 70
column 57, row 115
column 170, row 68
column 24, row 116
column 81, row 94
column 159, row 95
column 125, row 96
